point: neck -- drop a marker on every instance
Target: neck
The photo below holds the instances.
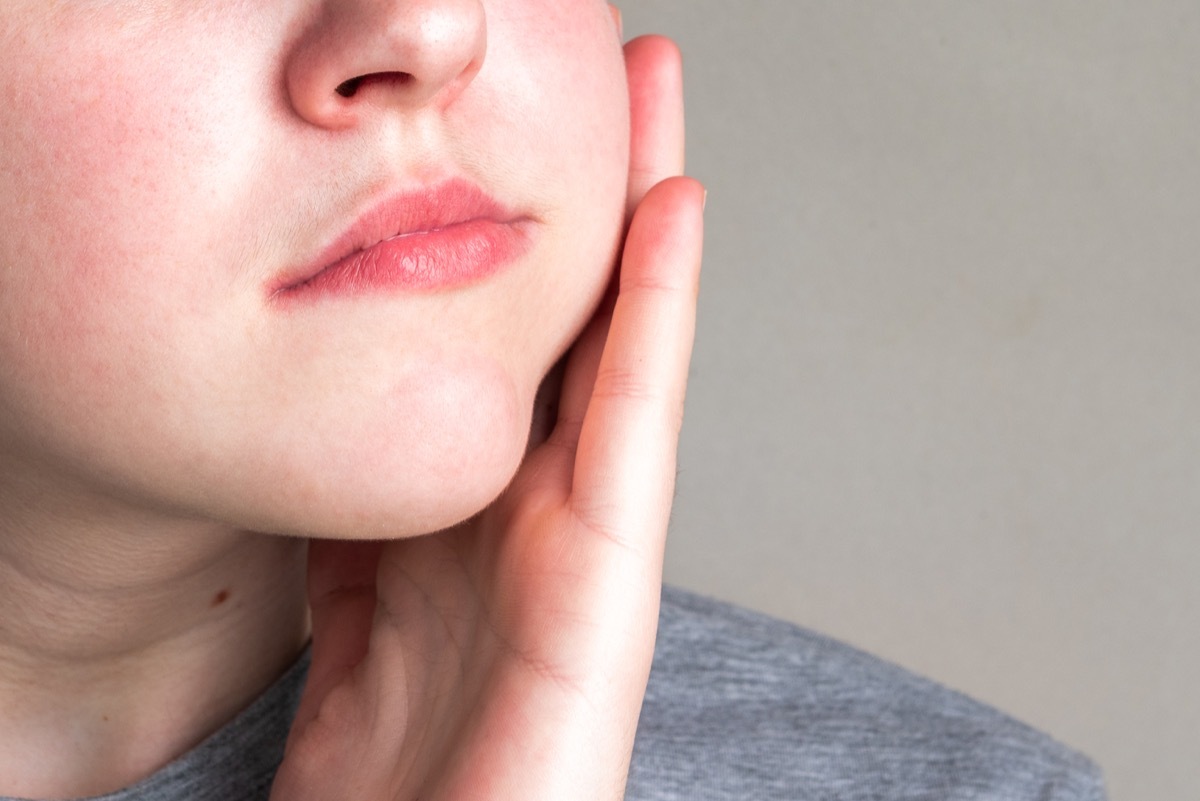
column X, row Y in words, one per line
column 123, row 646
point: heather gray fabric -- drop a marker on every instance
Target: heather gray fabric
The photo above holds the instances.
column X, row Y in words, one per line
column 739, row 706
column 742, row 706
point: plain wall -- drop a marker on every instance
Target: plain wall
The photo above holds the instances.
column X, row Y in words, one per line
column 945, row 399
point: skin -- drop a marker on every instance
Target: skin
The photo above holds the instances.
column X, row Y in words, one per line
column 161, row 163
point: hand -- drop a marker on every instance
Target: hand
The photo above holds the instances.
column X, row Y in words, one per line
column 507, row 658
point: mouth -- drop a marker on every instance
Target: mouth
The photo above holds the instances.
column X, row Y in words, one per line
column 437, row 238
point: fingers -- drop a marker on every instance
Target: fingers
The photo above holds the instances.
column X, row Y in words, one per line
column 341, row 595
column 655, row 72
column 625, row 461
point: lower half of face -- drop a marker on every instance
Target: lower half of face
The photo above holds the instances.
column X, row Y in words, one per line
column 159, row 190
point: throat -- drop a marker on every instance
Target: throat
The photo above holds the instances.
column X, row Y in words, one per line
column 105, row 677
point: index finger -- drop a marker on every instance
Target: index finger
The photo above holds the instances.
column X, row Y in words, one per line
column 624, row 474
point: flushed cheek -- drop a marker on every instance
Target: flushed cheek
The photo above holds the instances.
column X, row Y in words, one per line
column 109, row 278
column 85, row 259
column 107, row 195
column 110, row 179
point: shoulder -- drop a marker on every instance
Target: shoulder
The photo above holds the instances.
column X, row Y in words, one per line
column 743, row 706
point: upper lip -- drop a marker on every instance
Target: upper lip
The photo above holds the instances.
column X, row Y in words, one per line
column 422, row 210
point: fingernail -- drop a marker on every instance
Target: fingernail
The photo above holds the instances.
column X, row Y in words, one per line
column 616, row 15
column 704, row 202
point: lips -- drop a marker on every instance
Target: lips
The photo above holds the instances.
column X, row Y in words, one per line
column 442, row 237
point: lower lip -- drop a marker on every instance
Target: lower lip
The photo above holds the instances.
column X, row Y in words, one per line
column 447, row 258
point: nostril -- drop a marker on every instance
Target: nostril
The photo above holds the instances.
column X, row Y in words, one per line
column 350, row 88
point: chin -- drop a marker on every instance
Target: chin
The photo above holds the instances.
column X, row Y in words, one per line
column 393, row 501
column 432, row 451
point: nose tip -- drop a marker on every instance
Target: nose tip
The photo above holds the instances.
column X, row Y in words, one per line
column 364, row 55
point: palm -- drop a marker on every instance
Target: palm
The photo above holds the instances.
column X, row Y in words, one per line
column 507, row 657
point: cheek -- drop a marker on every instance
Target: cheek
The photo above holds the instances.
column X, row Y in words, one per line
column 558, row 71
column 80, row 251
column 123, row 145
column 102, row 174
column 104, row 204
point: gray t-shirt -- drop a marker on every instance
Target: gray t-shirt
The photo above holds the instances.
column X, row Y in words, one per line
column 739, row 707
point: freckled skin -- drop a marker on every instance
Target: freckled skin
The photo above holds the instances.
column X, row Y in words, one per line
column 155, row 175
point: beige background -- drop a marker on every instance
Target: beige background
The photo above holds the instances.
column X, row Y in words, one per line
column 944, row 404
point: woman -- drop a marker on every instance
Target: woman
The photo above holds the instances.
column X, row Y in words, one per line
column 282, row 285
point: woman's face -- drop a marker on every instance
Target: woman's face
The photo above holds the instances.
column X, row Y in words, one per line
column 166, row 166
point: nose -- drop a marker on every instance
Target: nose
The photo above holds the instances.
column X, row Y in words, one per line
column 358, row 56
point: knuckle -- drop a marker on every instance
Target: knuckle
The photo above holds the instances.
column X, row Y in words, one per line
column 653, row 282
column 597, row 522
column 625, row 384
